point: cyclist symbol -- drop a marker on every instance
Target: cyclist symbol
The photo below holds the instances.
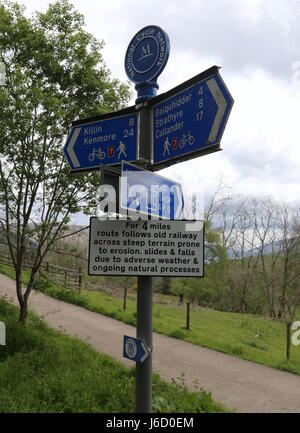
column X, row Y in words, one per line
column 186, row 139
column 122, row 150
column 97, row 153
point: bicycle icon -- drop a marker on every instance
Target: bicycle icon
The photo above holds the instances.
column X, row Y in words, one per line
column 186, row 139
column 97, row 153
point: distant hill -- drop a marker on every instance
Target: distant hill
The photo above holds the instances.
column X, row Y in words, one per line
column 267, row 250
column 84, row 235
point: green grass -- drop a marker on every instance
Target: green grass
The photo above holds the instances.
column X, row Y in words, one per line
column 245, row 336
column 42, row 370
column 10, row 272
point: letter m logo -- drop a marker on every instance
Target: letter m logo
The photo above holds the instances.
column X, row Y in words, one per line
column 146, row 52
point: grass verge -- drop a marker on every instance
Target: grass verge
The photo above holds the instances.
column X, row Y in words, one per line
column 245, row 336
column 42, row 370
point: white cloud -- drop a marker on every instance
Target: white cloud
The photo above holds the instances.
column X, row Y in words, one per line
column 256, row 42
column 261, row 144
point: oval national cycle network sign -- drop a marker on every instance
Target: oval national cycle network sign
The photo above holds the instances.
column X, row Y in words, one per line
column 147, row 54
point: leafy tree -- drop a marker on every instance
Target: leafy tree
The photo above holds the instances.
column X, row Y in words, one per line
column 205, row 290
column 213, row 286
column 186, row 288
column 163, row 285
column 54, row 73
column 275, row 237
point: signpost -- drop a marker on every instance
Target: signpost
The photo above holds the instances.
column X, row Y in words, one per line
column 135, row 349
column 186, row 122
column 146, row 57
column 150, row 194
column 189, row 120
column 146, row 248
column 103, row 141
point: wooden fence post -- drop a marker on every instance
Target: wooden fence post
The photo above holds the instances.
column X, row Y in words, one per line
column 288, row 339
column 188, row 316
column 79, row 278
column 125, row 298
column 66, row 275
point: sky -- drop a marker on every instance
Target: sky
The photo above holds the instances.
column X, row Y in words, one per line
column 257, row 45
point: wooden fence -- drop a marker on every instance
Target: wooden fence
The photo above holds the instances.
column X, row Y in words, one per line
column 6, row 260
column 62, row 277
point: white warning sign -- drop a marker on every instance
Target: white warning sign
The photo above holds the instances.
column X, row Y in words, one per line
column 153, row 248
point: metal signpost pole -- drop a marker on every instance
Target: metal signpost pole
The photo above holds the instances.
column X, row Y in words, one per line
column 146, row 57
column 143, row 390
column 184, row 123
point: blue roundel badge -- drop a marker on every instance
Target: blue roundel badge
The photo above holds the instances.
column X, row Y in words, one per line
column 147, row 55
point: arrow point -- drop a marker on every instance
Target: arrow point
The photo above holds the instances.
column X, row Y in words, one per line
column 222, row 105
column 146, row 354
column 70, row 148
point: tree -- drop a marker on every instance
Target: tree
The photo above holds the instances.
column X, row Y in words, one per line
column 210, row 289
column 289, row 285
column 163, row 285
column 277, row 231
column 187, row 288
column 54, row 73
column 270, row 252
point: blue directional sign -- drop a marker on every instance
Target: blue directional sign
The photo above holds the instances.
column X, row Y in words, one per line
column 150, row 194
column 191, row 120
column 135, row 349
column 105, row 141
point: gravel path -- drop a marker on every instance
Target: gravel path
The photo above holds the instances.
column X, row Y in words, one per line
column 242, row 385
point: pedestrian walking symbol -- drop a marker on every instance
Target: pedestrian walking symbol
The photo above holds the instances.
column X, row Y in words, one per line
column 122, row 150
column 167, row 144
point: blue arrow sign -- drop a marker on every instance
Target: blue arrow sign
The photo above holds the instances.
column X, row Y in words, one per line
column 135, row 349
column 190, row 121
column 150, row 194
column 107, row 141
